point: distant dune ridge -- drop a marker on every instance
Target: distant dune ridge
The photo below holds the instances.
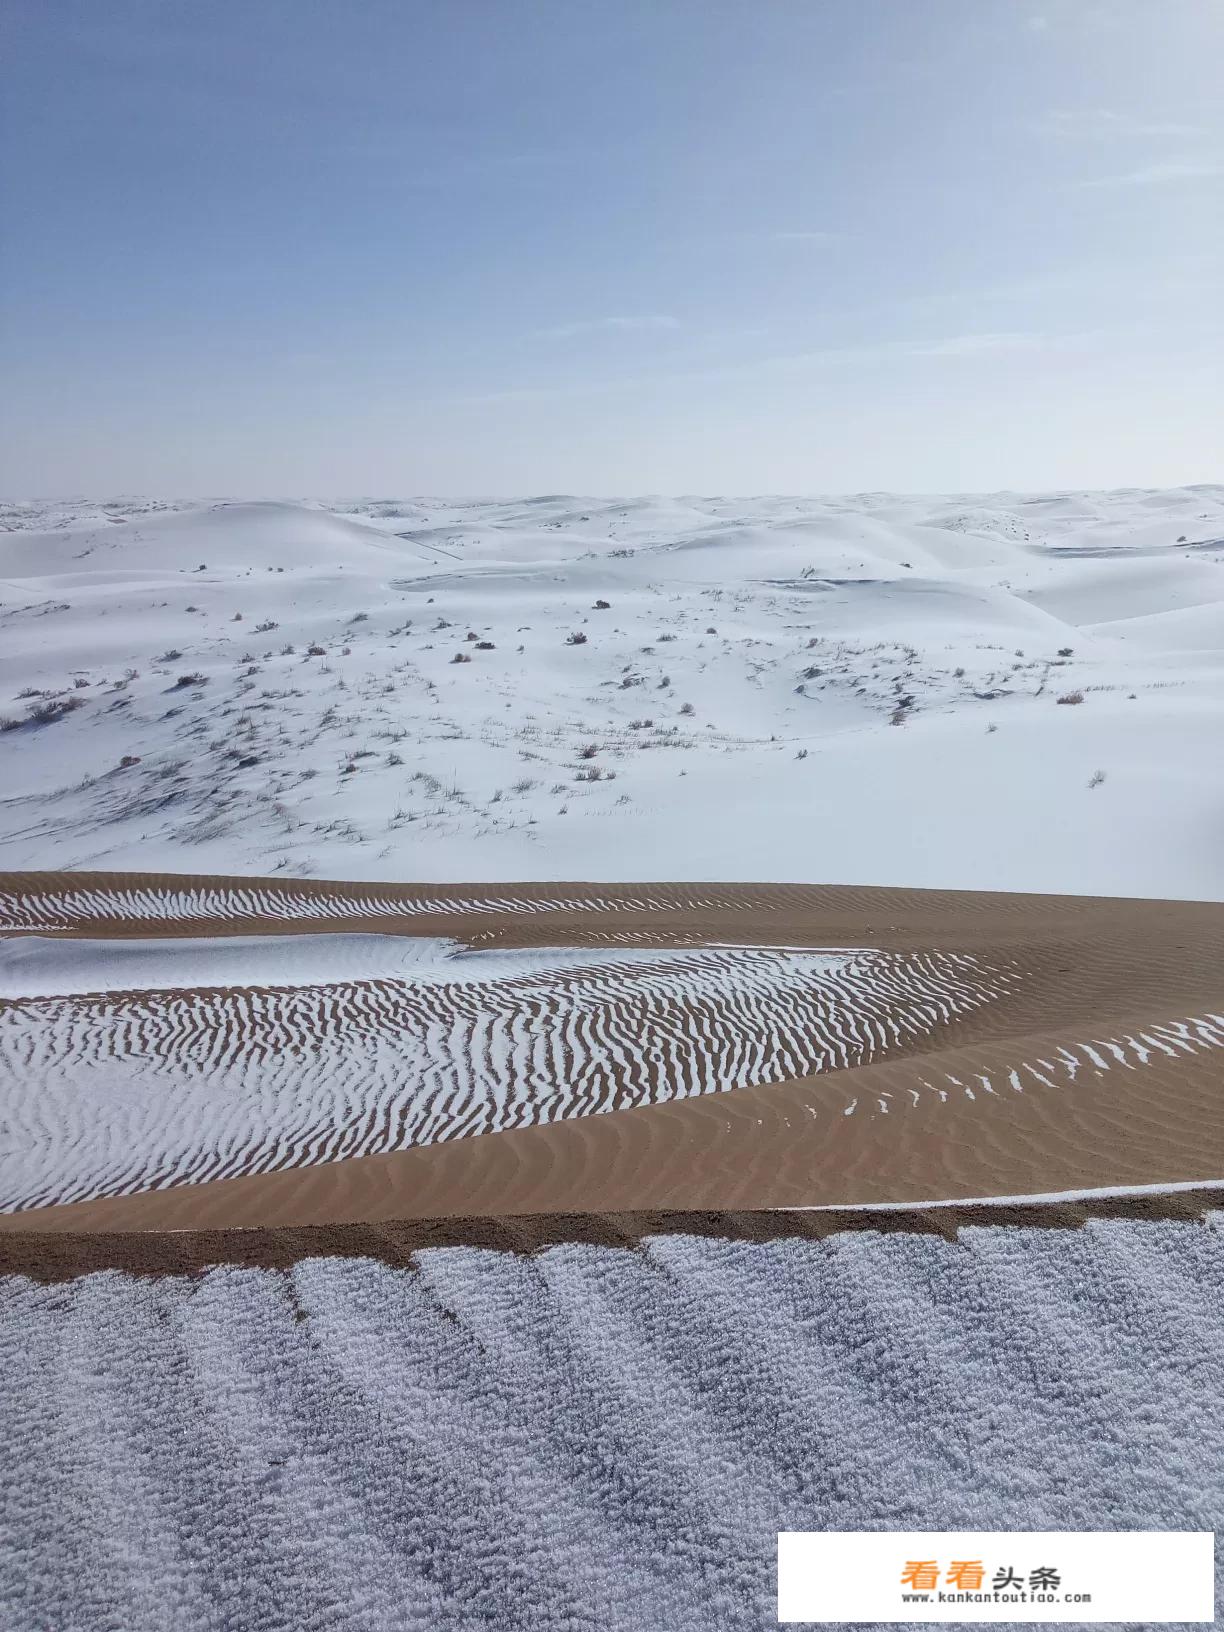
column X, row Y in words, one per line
column 982, row 692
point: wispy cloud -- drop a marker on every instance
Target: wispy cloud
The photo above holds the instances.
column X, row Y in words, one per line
column 1104, row 125
column 1162, row 173
column 972, row 345
column 649, row 323
column 955, row 346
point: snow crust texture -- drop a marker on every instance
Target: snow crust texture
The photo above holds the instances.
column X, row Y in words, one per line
column 590, row 1438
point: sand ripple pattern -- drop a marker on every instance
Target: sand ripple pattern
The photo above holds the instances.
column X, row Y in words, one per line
column 70, row 907
column 126, row 1091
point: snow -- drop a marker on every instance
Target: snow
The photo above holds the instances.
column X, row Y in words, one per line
column 590, row 1438
column 1033, row 1199
column 139, row 1064
column 381, row 758
column 35, row 967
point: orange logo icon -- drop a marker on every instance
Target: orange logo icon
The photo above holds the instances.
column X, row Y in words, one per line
column 966, row 1574
column 921, row 1574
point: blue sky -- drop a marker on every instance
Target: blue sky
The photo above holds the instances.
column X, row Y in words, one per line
column 492, row 246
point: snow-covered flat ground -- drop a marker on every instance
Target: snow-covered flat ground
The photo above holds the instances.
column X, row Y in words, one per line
column 593, row 1438
column 858, row 690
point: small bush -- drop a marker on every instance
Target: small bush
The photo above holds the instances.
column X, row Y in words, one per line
column 266, row 626
column 54, row 708
column 485, row 646
column 589, row 751
column 461, row 657
column 316, row 651
column 185, row 680
column 1071, row 697
column 1095, row 780
column 576, row 639
column 129, row 759
column 1066, row 651
column 601, row 606
column 687, row 708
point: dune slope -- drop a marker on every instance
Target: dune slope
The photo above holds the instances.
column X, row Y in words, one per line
column 571, row 1048
column 987, row 692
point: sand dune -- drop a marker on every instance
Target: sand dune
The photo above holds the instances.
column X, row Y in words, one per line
column 684, row 1047
column 590, row 1436
column 823, row 690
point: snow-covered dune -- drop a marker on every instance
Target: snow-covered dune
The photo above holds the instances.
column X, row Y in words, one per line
column 1010, row 692
column 132, row 1065
column 591, row 1437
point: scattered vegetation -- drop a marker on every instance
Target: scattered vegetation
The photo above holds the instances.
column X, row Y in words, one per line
column 45, row 712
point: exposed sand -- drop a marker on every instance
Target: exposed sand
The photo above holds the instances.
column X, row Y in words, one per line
column 52, row 1256
column 1098, row 1066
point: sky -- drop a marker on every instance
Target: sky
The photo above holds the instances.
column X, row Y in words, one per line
column 495, row 247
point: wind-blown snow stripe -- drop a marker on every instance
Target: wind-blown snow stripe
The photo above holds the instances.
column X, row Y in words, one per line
column 119, row 1090
column 53, row 909
column 591, row 1439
